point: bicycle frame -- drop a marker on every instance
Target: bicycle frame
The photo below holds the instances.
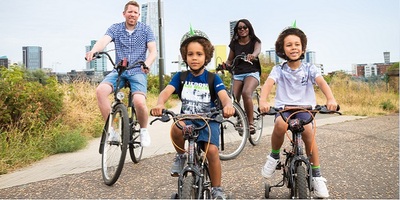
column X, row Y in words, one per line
column 124, row 119
column 192, row 166
column 295, row 157
column 197, row 165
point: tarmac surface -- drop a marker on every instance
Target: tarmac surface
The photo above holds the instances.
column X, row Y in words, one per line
column 359, row 158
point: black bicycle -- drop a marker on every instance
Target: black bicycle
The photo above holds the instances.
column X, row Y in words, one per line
column 236, row 128
column 297, row 172
column 194, row 180
column 121, row 130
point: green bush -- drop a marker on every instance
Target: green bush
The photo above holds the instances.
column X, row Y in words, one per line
column 27, row 104
column 30, row 106
column 387, row 105
column 64, row 142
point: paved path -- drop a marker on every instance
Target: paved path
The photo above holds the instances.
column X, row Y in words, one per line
column 359, row 158
column 89, row 159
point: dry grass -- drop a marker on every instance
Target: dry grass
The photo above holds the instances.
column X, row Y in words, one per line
column 81, row 110
column 360, row 98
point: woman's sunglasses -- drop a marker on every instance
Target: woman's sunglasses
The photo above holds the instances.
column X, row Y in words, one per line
column 242, row 27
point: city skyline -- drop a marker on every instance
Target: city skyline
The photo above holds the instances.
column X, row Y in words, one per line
column 341, row 32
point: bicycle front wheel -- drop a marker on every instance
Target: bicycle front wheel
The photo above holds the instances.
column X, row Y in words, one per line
column 135, row 149
column 206, row 181
column 115, row 144
column 301, row 186
column 234, row 134
column 188, row 189
column 258, row 120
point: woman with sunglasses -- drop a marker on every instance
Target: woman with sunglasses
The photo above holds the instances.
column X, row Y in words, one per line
column 246, row 74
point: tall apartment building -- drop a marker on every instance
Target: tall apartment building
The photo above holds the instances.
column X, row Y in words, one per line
column 32, row 57
column 309, row 57
column 232, row 25
column 149, row 13
column 386, row 57
column 97, row 65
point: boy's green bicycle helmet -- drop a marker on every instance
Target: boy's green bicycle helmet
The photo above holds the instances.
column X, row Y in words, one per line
column 191, row 35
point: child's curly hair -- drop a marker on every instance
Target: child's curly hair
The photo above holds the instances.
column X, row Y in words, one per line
column 208, row 49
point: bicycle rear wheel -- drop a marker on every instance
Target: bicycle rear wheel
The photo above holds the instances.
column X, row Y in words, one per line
column 258, row 120
column 234, row 134
column 135, row 149
column 114, row 149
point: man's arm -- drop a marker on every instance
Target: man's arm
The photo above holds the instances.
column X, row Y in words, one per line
column 152, row 48
column 99, row 46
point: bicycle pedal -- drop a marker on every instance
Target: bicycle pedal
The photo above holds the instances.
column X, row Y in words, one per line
column 174, row 174
column 279, row 166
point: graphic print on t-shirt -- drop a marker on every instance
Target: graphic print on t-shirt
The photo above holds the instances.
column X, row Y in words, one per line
column 195, row 98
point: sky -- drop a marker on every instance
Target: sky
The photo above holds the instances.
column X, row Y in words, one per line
column 341, row 32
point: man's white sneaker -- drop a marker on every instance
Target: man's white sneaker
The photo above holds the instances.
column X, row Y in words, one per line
column 269, row 167
column 320, row 189
column 144, row 137
column 113, row 136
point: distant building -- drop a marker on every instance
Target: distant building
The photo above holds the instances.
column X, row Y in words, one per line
column 4, row 61
column 97, row 65
column 374, row 69
column 386, row 57
column 232, row 25
column 32, row 57
column 149, row 13
column 368, row 70
column 309, row 57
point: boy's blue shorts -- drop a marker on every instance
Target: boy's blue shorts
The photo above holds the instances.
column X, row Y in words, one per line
column 203, row 135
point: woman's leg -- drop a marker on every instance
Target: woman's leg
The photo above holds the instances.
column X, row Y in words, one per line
column 237, row 89
column 250, row 84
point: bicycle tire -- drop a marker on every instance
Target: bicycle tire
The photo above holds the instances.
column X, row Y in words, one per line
column 114, row 152
column 234, row 134
column 135, row 148
column 258, row 120
column 188, row 187
column 300, row 186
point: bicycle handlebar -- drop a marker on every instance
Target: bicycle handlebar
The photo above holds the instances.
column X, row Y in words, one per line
column 318, row 109
column 123, row 63
column 242, row 56
column 213, row 115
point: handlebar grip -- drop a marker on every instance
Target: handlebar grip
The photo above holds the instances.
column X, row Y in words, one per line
column 124, row 62
column 95, row 55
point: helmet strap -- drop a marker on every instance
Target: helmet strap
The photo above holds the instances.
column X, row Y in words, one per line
column 300, row 58
column 195, row 72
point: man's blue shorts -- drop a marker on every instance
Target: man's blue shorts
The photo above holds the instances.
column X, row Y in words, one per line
column 138, row 81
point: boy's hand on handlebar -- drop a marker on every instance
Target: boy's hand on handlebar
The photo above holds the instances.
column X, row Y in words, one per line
column 228, row 111
column 264, row 106
column 157, row 110
column 331, row 104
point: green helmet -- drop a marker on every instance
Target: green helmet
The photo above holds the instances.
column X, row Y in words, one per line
column 191, row 35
